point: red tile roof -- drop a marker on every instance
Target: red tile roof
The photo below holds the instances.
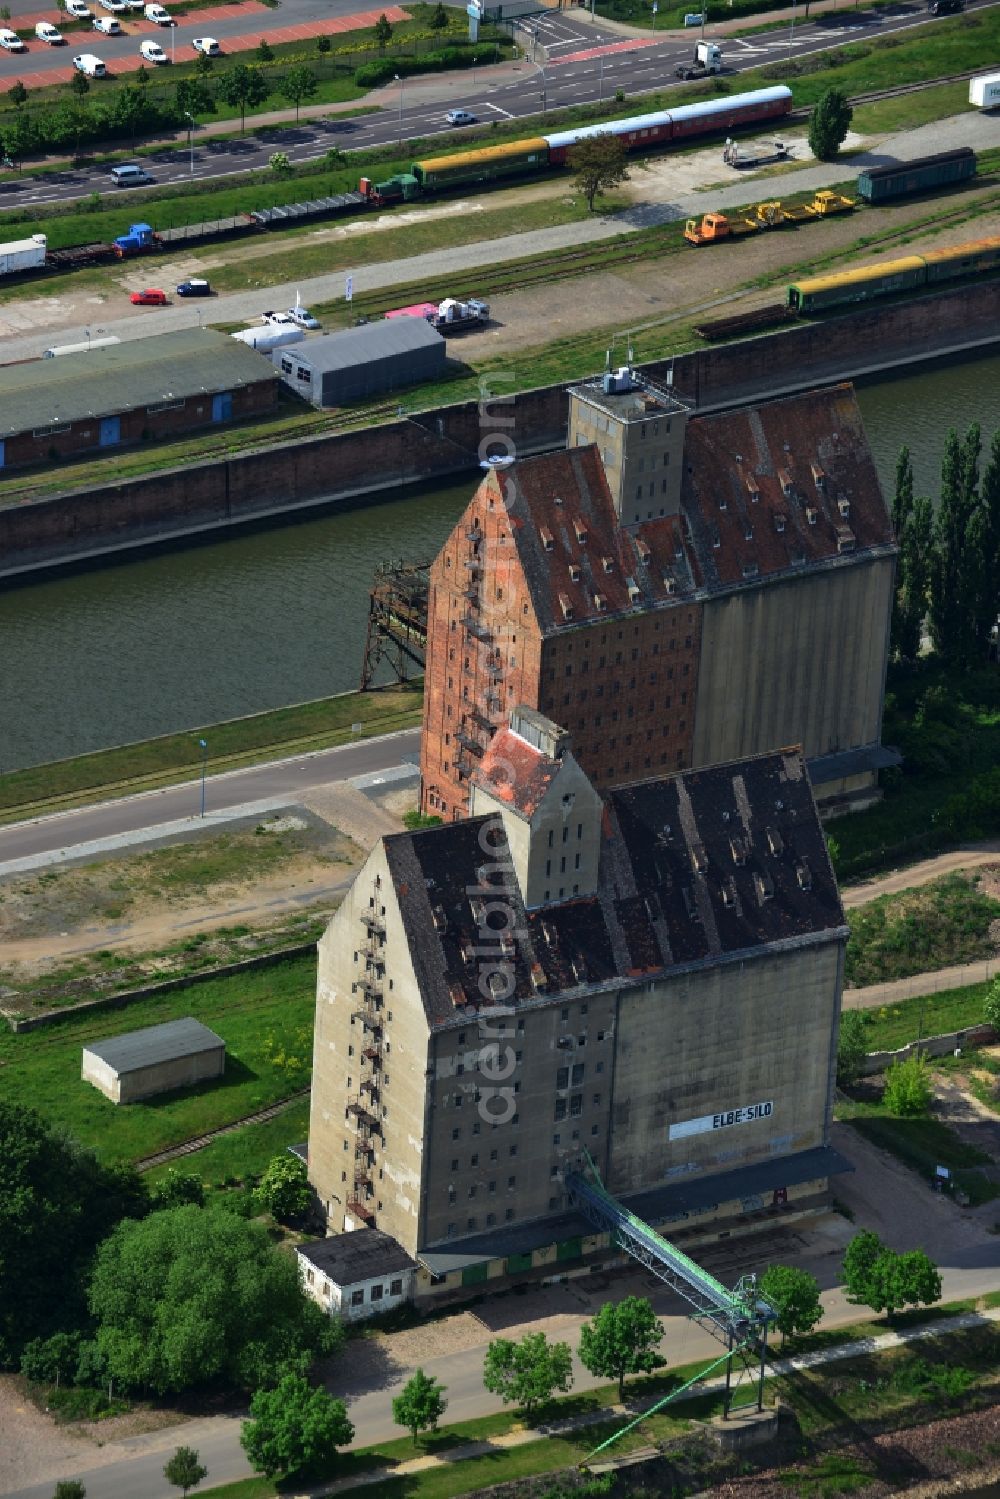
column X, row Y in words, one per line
column 516, row 772
column 767, row 490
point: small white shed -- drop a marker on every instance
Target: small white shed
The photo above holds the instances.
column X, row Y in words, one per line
column 154, row 1060
column 356, row 1275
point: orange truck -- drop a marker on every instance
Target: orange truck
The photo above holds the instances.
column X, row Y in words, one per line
column 719, row 226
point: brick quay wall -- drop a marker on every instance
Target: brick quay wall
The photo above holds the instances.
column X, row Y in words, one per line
column 353, row 467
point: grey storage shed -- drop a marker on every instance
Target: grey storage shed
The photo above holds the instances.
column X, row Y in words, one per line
column 337, row 368
column 154, row 1060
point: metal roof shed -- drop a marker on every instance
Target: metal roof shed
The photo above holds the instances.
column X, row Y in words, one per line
column 140, row 372
column 337, row 368
column 154, row 1060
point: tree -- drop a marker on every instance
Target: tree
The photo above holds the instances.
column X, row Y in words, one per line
column 175, row 1188
column 335, row 158
column 439, row 18
column 915, row 561
column 204, row 64
column 193, row 95
column 184, row 1471
column 955, row 570
column 991, row 1005
column 886, row 1281
column 529, row 1372
column 284, row 1190
column 622, row 1339
column 323, row 44
column 794, row 1295
column 829, row 124
column 298, row 85
column 294, row 1427
column 69, row 1488
column 383, row 32
column 80, row 84
column 420, row 1405
column 908, row 1091
column 279, row 163
column 265, row 52
column 852, row 1046
column 142, row 75
column 598, row 163
column 987, row 606
column 56, row 1203
column 187, row 1296
column 50, row 1360
column 243, row 87
column 131, row 110
column 17, row 95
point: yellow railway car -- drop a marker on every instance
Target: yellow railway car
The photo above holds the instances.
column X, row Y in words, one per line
column 813, row 293
column 486, row 165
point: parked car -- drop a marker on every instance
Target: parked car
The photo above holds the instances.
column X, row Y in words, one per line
column 460, row 117
column 945, row 7
column 158, row 15
column 153, row 52
column 91, row 65
column 208, row 45
column 46, row 32
column 79, row 10
column 108, row 25
column 10, row 40
column 151, row 297
column 279, row 319
column 196, row 287
column 303, row 317
column 116, row 7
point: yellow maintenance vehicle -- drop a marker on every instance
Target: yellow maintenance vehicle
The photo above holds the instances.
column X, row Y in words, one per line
column 719, row 226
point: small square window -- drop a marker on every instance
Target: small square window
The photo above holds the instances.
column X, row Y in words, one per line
column 358, row 1297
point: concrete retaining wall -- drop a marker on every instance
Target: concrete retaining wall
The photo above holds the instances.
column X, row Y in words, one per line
column 931, row 1046
column 435, row 444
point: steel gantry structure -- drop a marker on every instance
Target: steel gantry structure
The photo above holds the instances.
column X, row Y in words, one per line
column 397, row 620
column 738, row 1318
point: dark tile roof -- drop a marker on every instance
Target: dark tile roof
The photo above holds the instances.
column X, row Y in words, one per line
column 695, row 868
column 363, row 1255
column 155, row 1044
column 768, row 491
column 660, row 1204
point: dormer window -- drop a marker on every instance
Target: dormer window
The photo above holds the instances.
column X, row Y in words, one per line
column 608, row 563
column 819, row 477
column 844, row 506
column 642, row 547
column 811, row 515
column 600, row 602
column 565, row 606
column 803, row 875
column 785, row 480
column 779, row 523
column 574, row 573
column 548, row 541
column 581, row 531
column 752, row 490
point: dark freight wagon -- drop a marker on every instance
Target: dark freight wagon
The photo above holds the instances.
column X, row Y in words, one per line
column 925, row 174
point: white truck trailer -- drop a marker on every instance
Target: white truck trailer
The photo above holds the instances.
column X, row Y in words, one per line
column 985, row 92
column 23, row 255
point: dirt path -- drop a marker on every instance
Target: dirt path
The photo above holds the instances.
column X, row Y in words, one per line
column 971, row 856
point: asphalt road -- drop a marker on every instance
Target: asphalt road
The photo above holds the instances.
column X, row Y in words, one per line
column 584, row 64
column 134, row 1469
column 280, row 780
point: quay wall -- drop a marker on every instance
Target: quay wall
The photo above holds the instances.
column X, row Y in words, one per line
column 356, row 467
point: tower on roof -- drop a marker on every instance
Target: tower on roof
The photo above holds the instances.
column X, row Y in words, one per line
column 551, row 812
column 639, row 428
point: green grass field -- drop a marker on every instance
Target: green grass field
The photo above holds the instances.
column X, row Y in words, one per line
column 239, row 741
column 896, row 1025
column 262, row 1017
column 915, row 931
column 234, row 1158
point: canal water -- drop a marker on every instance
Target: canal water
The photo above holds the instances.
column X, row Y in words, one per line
column 195, row 635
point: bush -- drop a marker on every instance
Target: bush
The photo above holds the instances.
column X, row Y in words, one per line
column 852, row 1046
column 375, row 74
column 991, row 1005
column 908, row 1091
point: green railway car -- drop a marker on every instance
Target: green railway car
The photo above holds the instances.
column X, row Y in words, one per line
column 487, row 165
column 817, row 293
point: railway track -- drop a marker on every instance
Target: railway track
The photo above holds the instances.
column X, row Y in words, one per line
column 188, row 1147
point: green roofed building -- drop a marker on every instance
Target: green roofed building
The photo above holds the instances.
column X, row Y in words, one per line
column 126, row 392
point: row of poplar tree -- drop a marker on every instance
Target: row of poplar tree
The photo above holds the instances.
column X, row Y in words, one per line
column 948, row 571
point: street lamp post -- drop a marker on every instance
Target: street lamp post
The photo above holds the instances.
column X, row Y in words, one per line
column 400, row 82
column 190, row 120
column 541, row 70
column 791, row 34
column 600, row 96
column 204, row 767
